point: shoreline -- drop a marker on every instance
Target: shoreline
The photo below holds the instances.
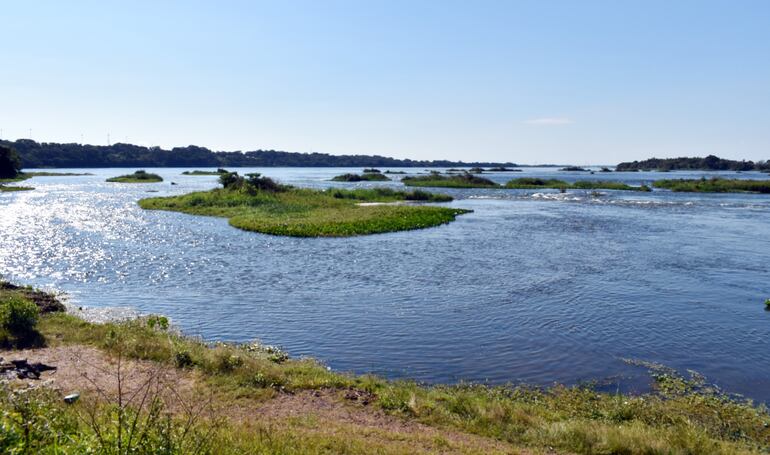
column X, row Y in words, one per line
column 683, row 413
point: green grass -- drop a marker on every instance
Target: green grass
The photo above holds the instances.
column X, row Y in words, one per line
column 682, row 415
column 311, row 213
column 137, row 177
column 434, row 179
column 715, row 185
column 538, row 183
column 366, row 177
column 4, row 188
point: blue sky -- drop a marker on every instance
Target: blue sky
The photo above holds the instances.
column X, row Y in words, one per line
column 525, row 81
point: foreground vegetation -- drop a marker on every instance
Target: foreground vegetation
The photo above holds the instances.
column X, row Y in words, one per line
column 538, row 183
column 137, row 177
column 256, row 203
column 682, row 415
column 715, row 185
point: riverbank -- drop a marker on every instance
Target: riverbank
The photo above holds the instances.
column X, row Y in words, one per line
column 246, row 398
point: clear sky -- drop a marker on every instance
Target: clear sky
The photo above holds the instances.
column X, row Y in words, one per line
column 525, row 81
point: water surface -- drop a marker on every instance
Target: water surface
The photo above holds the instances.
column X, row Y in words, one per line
column 534, row 286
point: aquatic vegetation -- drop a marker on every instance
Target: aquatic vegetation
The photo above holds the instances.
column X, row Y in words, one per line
column 538, row 183
column 767, row 304
column 262, row 205
column 387, row 195
column 715, row 185
column 434, row 179
column 366, row 177
column 219, row 171
column 137, row 177
column 604, row 185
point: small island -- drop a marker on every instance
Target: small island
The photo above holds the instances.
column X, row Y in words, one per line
column 573, row 169
column 435, row 179
column 259, row 204
column 137, row 177
column 219, row 171
column 714, row 185
column 366, row 177
column 532, row 183
column 502, row 169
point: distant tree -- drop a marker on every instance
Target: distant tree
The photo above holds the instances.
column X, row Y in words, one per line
column 10, row 164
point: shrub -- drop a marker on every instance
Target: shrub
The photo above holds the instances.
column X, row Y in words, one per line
column 17, row 314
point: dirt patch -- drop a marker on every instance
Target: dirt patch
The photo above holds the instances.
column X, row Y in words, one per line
column 91, row 372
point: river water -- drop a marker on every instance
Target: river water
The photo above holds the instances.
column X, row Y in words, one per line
column 533, row 286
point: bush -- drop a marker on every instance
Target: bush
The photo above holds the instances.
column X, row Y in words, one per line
column 10, row 164
column 17, row 314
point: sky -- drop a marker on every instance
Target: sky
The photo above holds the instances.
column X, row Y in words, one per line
column 580, row 82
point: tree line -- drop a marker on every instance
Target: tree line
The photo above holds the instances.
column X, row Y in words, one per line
column 709, row 163
column 70, row 155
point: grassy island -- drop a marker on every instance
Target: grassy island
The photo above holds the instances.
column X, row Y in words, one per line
column 183, row 395
column 137, row 177
column 8, row 189
column 434, row 179
column 715, row 185
column 256, row 203
column 21, row 176
column 573, row 169
column 219, row 171
column 531, row 183
column 365, row 177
